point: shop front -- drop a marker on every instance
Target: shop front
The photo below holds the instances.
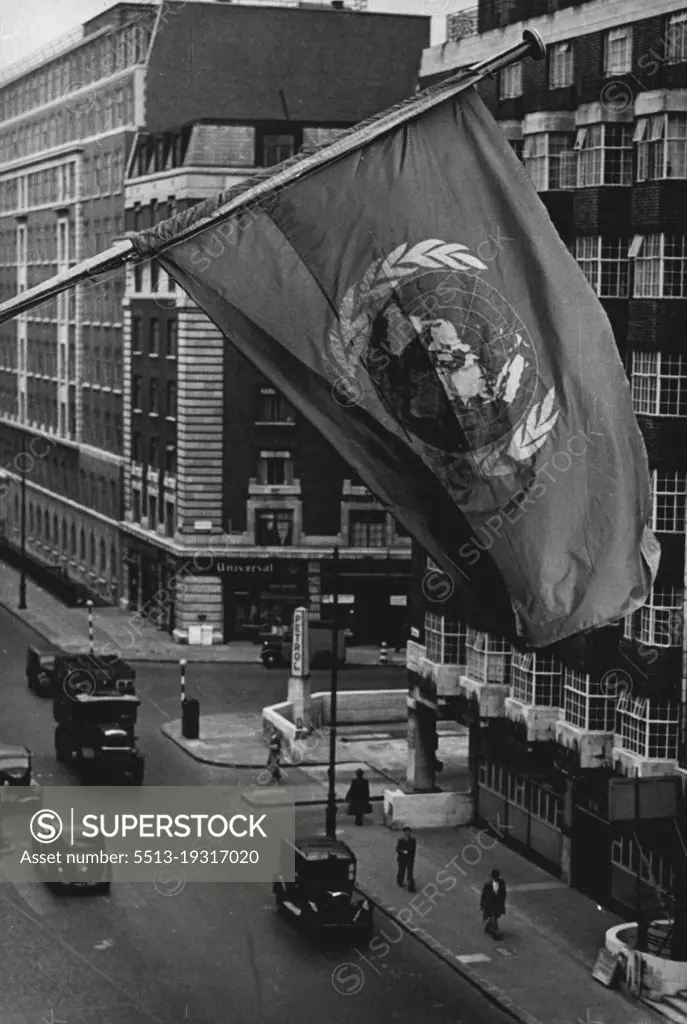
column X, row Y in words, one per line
column 260, row 595
column 372, row 598
column 150, row 576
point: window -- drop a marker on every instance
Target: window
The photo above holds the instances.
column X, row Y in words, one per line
column 171, row 399
column 72, row 540
column 550, row 160
column 648, row 728
column 154, row 275
column 136, row 393
column 272, row 408
column 152, row 511
column 676, row 32
column 493, row 776
column 661, row 147
column 136, row 502
column 660, row 266
column 275, row 468
column 138, row 277
column 536, row 679
column 605, row 155
column 584, row 703
column 276, row 148
column 605, row 264
column 659, row 384
column 170, row 460
column 64, row 535
column 153, row 453
column 444, row 639
column 517, row 146
column 136, row 446
column 55, row 531
column 274, row 528
column 82, row 544
column 367, row 530
column 154, row 338
column 510, row 81
column 560, row 65
column 154, row 398
column 171, row 340
column 169, row 519
column 668, row 502
column 660, row 619
column 136, row 335
column 545, row 804
column 103, row 558
column 618, row 51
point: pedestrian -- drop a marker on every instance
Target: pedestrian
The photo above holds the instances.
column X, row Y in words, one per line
column 405, row 858
column 358, row 797
column 274, row 757
column 493, row 903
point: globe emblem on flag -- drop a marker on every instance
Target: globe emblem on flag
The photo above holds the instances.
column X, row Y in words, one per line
column 448, row 357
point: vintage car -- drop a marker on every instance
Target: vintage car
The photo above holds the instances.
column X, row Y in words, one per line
column 81, row 868
column 95, row 709
column 16, row 771
column 40, row 669
column 322, row 896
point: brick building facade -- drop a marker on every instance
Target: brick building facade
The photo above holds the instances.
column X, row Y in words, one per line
column 601, row 127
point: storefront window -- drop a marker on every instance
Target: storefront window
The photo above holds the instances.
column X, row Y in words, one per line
column 274, row 528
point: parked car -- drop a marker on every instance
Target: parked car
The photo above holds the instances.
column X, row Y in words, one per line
column 322, row 896
column 16, row 771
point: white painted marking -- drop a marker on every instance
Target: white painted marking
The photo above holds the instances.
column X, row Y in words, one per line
column 537, row 886
column 103, row 944
column 474, row 958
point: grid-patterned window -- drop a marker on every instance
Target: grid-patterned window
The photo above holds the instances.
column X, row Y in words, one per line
column 649, row 728
column 510, row 81
column 605, row 264
column 276, row 148
column 618, row 51
column 604, row 155
column 516, row 792
column 550, row 160
column 444, row 640
column 660, row 266
column 661, row 146
column 659, row 384
column 487, row 657
column 560, row 65
column 545, row 805
column 584, row 703
column 493, row 776
column 536, row 679
column 676, row 38
column 660, row 619
column 367, row 529
column 274, row 527
column 275, row 469
column 669, row 491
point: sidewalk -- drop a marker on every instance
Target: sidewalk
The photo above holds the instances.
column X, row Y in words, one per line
column 540, row 972
column 128, row 634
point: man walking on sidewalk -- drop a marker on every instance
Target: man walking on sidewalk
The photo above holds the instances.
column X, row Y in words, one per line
column 493, row 903
column 405, row 858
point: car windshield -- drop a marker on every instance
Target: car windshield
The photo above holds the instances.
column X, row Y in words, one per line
column 329, row 873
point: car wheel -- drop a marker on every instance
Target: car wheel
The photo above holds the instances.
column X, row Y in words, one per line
column 270, row 660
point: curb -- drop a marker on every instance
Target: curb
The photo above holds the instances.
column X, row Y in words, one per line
column 485, row 987
column 29, row 625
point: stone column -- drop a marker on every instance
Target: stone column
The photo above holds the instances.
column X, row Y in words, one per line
column 422, row 745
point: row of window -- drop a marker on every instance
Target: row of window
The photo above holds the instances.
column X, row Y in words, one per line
column 617, row 57
column 540, row 801
column 150, row 454
column 170, row 410
column 113, row 52
column 41, row 188
column 659, row 384
column 61, row 534
column 658, row 623
column 170, row 336
column 154, row 510
column 659, row 261
column 68, row 122
column 606, row 154
column 649, row 728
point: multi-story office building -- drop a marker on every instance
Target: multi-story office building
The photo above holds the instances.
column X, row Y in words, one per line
column 601, row 127
column 149, row 441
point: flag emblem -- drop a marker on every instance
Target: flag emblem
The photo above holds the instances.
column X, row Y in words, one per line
column 447, row 355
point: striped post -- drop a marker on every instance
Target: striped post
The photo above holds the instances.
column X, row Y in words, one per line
column 182, row 669
column 89, row 605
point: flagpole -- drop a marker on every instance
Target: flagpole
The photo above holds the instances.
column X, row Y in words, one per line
column 292, row 171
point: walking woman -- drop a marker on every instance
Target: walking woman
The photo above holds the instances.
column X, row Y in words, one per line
column 358, row 797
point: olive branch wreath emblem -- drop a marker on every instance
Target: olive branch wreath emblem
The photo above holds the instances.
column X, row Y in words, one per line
column 348, row 336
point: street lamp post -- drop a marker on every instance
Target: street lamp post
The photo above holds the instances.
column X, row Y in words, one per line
column 331, row 796
column 22, row 577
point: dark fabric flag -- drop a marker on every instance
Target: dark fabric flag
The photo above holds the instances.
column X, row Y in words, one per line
column 414, row 301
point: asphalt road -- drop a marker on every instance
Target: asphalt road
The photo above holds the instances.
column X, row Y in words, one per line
column 209, row 954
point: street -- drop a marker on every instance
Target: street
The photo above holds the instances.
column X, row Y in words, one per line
column 206, row 954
